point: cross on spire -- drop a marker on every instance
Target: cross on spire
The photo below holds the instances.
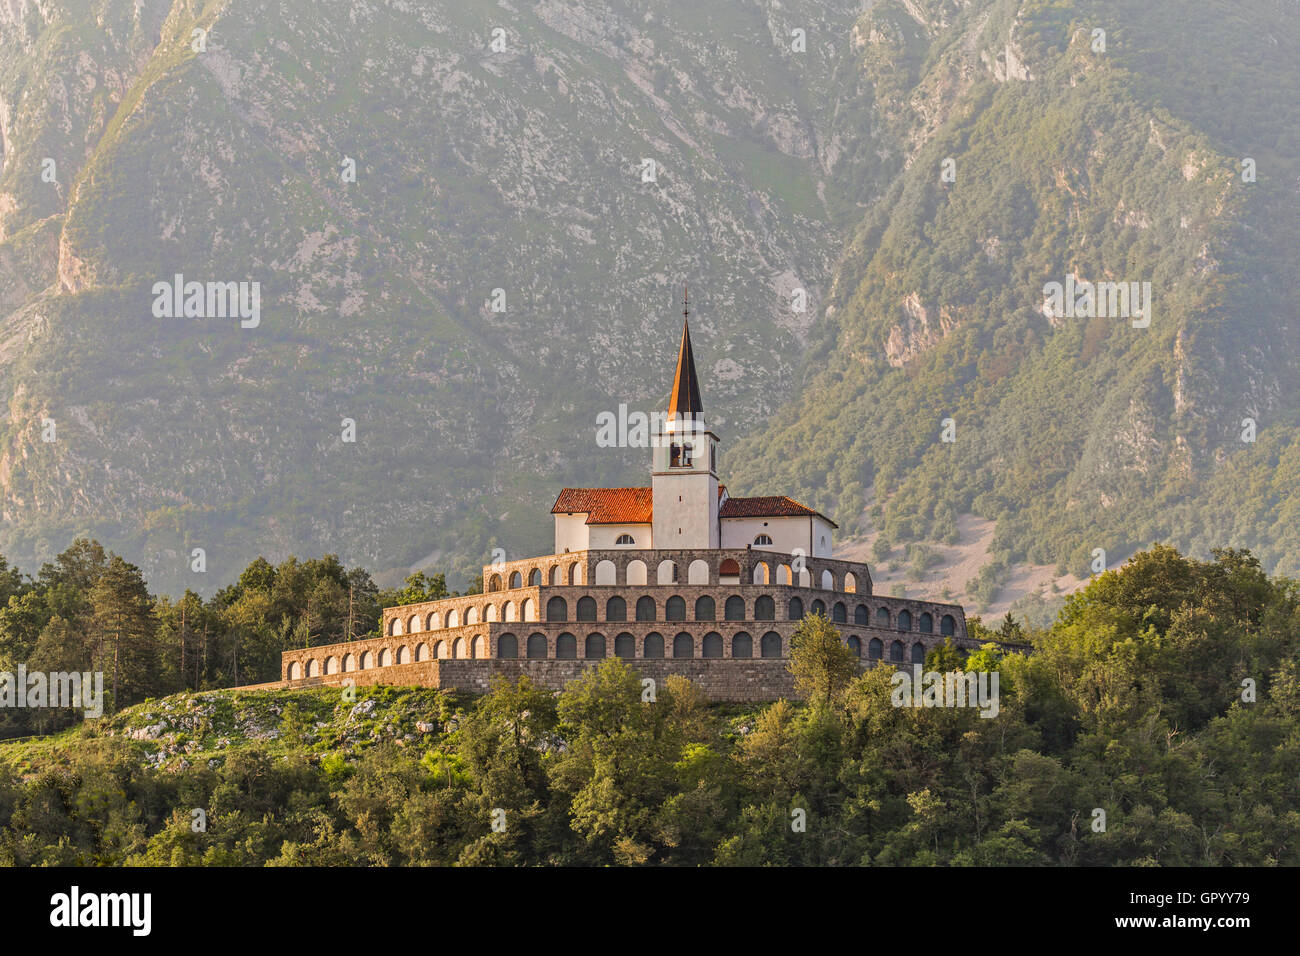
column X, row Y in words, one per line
column 685, row 401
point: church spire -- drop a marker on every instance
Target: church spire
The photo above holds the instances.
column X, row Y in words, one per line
column 685, row 401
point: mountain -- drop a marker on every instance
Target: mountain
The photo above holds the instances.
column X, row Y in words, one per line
column 795, row 145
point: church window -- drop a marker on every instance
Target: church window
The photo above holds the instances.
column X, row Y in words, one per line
column 770, row 645
column 625, row 539
column 763, row 541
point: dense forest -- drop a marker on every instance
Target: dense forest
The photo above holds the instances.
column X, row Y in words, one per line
column 1156, row 722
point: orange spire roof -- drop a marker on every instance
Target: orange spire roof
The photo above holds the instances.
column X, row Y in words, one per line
column 685, row 401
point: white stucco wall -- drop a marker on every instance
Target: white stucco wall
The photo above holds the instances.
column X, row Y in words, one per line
column 787, row 534
column 571, row 533
column 602, row 536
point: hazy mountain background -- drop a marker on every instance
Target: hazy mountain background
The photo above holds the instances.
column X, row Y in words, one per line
column 521, row 170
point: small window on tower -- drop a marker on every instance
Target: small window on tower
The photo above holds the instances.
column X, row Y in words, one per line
column 686, row 454
column 763, row 541
column 674, row 455
column 625, row 539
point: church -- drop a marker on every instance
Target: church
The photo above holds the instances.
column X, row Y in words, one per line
column 677, row 577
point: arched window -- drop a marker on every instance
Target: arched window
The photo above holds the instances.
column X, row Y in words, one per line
column 918, row 653
column 905, row 620
column 850, row 582
column 557, row 609
column 764, row 608
column 729, row 572
column 510, row 612
column 556, row 576
column 575, row 573
column 828, row 581
column 395, row 627
column 896, row 651
column 616, row 609
column 595, row 647
column 413, row 624
column 566, row 647
column 948, row 625
column 645, row 608
column 535, row 578
column 349, row 663
column 698, row 572
column 295, row 671
column 625, row 646
column 796, row 609
column 742, row 645
column 459, row 651
column 667, row 572
column 860, row 615
column 313, row 668
column 683, row 645
column 675, row 609
column 818, row 607
column 713, row 644
column 770, row 646
column 763, row 541
column 855, row 645
column 636, row 572
column 654, row 645
column 403, row 655
column 386, row 657
column 536, row 646
column 421, row 652
column 606, row 573
column 586, row 608
column 705, row 609
column 494, row 583
column 875, row 649
column 882, row 617
column 516, row 580
column 507, row 646
column 926, row 623
column 839, row 613
column 624, row 540
column 734, row 609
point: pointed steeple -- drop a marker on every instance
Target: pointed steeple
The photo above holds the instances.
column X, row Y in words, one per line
column 685, row 401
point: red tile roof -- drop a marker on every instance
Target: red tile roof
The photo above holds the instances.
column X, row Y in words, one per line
column 607, row 505
column 769, row 506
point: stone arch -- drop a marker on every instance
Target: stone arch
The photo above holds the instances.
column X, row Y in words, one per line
column 675, row 608
column 510, row 611
column 742, row 645
column 471, row 615
column 839, row 613
column 492, row 613
column 818, row 607
column 494, row 583
column 295, row 670
column 432, row 621
column 528, row 610
column 667, row 573
column 453, row 618
column 442, row 650
column 566, row 647
column 556, row 576
column 770, row 645
column 331, row 665
column 896, row 651
column 925, row 623
column 594, row 647
column 636, row 572
column 850, row 582
column 882, row 617
column 606, row 573
column 764, row 608
column 698, row 572
column 403, row 655
column 828, row 581
column 875, row 649
column 367, row 660
column 395, row 627
column 616, row 609
column 762, row 574
column 536, row 646
column 413, row 625
column 349, row 663
column 516, row 581
column 645, row 608
column 705, row 609
column 535, row 578
column 653, row 645
column 783, row 574
column 734, row 609
column 804, row 578
column 576, row 575
column 795, row 609
column 459, row 649
column 586, row 609
column 385, row 657
column 948, row 625
column 918, row 653
column 507, row 646
column 557, row 609
column 712, row 646
column 905, row 620
column 421, row 652
column 478, row 650
column 313, row 667
column 861, row 615
column 855, row 645
column 729, row 571
column 625, row 646
column 683, row 645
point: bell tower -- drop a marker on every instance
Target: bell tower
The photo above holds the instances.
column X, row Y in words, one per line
column 684, row 469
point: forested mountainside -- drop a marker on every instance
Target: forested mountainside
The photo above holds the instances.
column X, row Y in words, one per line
column 795, row 145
